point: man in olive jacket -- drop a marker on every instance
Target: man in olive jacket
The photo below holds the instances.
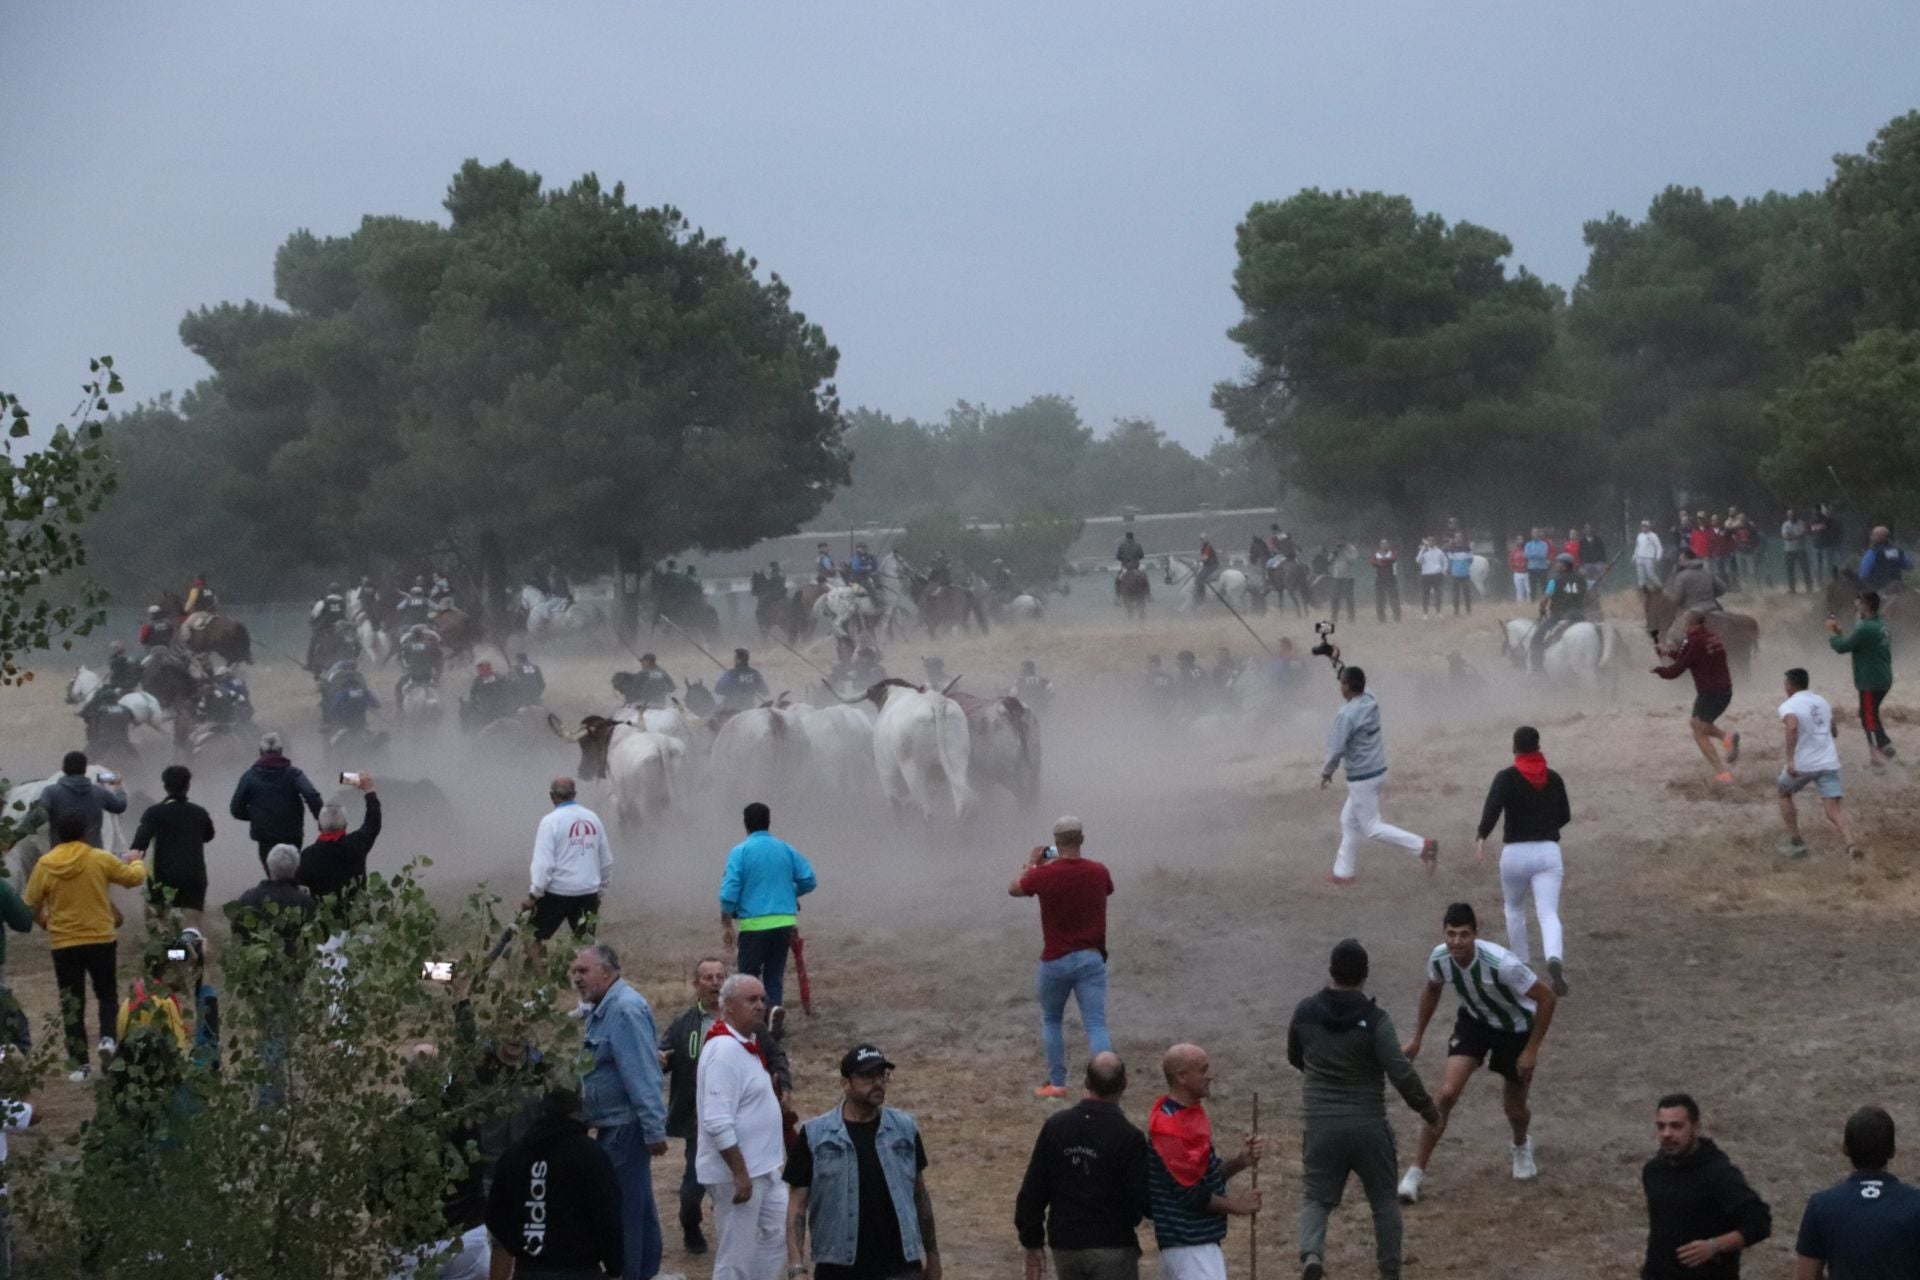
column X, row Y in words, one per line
column 1346, row 1048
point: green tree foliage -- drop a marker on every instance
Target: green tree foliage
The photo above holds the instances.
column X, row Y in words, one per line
column 339, row 1168
column 1135, row 465
column 1033, row 543
column 1394, row 355
column 1854, row 411
column 555, row 369
column 1876, row 225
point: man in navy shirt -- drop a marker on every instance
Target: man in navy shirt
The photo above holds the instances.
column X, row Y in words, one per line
column 1868, row 1227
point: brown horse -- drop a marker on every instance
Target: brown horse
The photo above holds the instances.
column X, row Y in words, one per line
column 1132, row 588
column 456, row 631
column 1738, row 632
column 225, row 637
column 947, row 606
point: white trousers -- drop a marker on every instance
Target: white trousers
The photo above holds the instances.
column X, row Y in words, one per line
column 750, row 1239
column 1193, row 1262
column 1532, row 867
column 1646, row 572
column 1522, row 587
column 1360, row 820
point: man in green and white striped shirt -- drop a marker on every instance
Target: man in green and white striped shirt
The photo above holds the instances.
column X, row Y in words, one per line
column 1504, row 1013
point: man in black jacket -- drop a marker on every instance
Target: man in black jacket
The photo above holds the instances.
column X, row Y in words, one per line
column 555, row 1203
column 277, row 906
column 1086, row 1185
column 74, row 792
column 680, row 1061
column 1701, row 1214
column 177, row 831
column 336, row 862
column 269, row 798
column 1534, row 800
column 1345, row 1047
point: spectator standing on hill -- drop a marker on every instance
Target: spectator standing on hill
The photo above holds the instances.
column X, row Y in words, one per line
column 176, row 831
column 1867, row 1226
column 1871, row 651
column 1433, row 576
column 1340, row 569
column 1517, row 566
column 1647, row 557
column 1824, row 532
column 1593, row 556
column 269, row 799
column 1386, row 586
column 1073, row 892
column 1085, row 1189
column 1460, row 574
column 1539, row 553
column 1793, row 546
column 1701, row 1214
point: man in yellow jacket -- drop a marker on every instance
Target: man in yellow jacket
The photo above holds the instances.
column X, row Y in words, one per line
column 68, row 894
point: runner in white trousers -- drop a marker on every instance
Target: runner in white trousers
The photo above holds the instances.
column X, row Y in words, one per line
column 1533, row 800
column 1355, row 740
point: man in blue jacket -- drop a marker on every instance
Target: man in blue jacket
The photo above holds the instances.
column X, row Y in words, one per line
column 761, row 890
column 625, row 1096
column 269, row 799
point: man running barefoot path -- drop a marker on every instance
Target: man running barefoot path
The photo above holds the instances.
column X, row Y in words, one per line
column 1355, row 740
column 1504, row 1014
column 1534, row 801
column 1702, row 653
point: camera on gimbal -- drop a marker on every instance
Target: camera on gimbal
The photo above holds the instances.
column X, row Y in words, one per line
column 1327, row 648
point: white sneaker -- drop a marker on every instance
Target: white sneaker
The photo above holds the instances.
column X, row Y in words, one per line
column 107, row 1045
column 1524, row 1169
column 79, row 1074
column 1410, row 1185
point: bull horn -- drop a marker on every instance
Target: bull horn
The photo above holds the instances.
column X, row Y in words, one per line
column 571, row 735
column 949, row 689
column 691, row 718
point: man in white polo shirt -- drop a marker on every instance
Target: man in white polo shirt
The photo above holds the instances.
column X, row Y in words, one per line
column 741, row 1147
column 1807, row 719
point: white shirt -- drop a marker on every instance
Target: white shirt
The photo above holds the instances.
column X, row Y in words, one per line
column 1432, row 560
column 1813, row 750
column 13, row 1115
column 733, row 1096
column 1647, row 546
column 570, row 853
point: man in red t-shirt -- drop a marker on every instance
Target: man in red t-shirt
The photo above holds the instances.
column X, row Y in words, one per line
column 1073, row 892
column 1702, row 653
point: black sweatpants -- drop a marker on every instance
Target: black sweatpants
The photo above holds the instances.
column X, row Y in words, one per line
column 1870, row 721
column 73, row 968
column 552, row 910
column 1386, row 593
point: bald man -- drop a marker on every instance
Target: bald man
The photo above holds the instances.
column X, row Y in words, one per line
column 1086, row 1184
column 1186, row 1178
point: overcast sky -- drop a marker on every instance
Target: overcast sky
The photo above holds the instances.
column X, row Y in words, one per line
column 982, row 198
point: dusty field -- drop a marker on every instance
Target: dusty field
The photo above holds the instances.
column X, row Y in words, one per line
column 1778, row 994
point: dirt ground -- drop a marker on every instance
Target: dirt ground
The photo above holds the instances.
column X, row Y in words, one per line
column 1777, row 993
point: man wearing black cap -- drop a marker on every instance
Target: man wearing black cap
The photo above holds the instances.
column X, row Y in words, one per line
column 650, row 686
column 1344, row 1045
column 859, row 1186
column 740, row 687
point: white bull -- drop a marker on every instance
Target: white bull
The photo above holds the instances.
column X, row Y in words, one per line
column 840, row 742
column 112, row 835
column 641, row 767
column 1004, row 746
column 922, row 747
column 554, row 617
column 764, row 751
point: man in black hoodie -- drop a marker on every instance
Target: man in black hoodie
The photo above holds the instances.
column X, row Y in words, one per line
column 1701, row 1214
column 555, row 1204
column 269, row 798
column 1086, row 1185
column 74, row 792
column 1346, row 1048
column 1534, row 800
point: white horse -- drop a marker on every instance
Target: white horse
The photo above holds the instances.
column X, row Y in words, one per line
column 1477, row 574
column 552, row 617
column 1025, row 607
column 142, row 708
column 374, row 644
column 846, row 609
column 1232, row 584
column 1582, row 654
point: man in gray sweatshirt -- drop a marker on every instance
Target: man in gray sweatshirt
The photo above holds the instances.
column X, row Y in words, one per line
column 1346, row 1049
column 1356, row 740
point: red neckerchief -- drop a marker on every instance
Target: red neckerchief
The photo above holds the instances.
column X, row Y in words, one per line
column 751, row 1045
column 1532, row 766
column 1183, row 1140
column 328, row 837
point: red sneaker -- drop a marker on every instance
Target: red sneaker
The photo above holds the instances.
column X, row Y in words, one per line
column 1050, row 1091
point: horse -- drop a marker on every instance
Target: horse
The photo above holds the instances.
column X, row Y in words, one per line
column 368, row 629
column 215, row 633
column 1898, row 607
column 455, row 630
column 141, row 707
column 1292, row 580
column 1132, row 589
column 418, row 705
column 1231, row 584
column 1583, row 653
column 1738, row 632
column 168, row 677
column 551, row 617
column 1025, row 608
column 947, row 606
column 690, row 612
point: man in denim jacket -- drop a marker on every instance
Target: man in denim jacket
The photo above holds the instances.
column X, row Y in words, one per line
column 857, row 1175
column 625, row 1096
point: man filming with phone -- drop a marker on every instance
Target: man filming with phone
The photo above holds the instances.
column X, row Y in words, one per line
column 336, row 862
column 1073, row 892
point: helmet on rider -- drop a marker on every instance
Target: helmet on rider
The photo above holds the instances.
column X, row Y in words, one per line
column 153, row 611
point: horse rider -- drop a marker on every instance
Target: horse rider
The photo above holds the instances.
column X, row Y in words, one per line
column 345, row 698
column 1567, row 601
column 200, row 598
column 740, row 687
column 555, row 584
column 491, row 695
column 421, row 660
column 648, row 687
column 368, row 596
column 1692, row 586
column 1209, row 561
column 223, row 699
column 1157, row 683
column 528, row 680
column 1129, row 553
column 1002, row 578
column 1259, row 551
column 157, row 631
column 940, row 572
column 123, row 673
column 775, row 582
column 440, row 591
column 823, row 567
column 856, row 666
column 107, row 724
column 862, row 567
column 413, row 610
column 1884, row 563
column 1033, row 689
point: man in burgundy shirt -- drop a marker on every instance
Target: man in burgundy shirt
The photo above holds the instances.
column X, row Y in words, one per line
column 1702, row 653
column 1073, row 893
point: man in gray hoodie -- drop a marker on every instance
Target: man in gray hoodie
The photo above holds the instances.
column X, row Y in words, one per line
column 74, row 792
column 1355, row 739
column 1346, row 1048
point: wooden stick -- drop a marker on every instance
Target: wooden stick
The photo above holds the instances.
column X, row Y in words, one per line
column 1253, row 1235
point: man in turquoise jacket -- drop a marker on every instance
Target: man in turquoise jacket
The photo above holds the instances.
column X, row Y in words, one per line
column 761, row 891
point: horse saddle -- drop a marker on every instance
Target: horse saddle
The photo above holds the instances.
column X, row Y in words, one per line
column 197, row 622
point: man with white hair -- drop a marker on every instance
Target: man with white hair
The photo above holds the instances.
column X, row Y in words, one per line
column 625, row 1096
column 741, row 1138
column 279, row 895
column 336, row 862
column 572, row 862
column 269, row 798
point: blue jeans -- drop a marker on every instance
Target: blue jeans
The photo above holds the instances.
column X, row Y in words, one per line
column 1083, row 975
column 633, row 1168
column 763, row 955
